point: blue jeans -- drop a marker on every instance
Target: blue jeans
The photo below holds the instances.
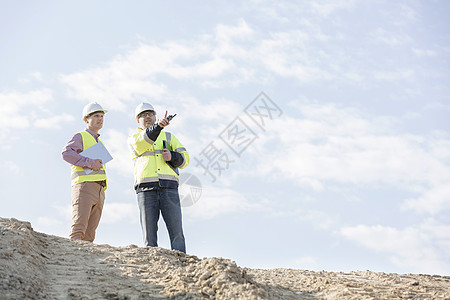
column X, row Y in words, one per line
column 167, row 202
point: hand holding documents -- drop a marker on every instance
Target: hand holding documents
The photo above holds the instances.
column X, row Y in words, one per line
column 98, row 151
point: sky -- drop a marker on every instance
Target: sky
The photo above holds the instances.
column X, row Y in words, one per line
column 318, row 131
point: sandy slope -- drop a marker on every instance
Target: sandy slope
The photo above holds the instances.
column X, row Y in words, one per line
column 38, row 266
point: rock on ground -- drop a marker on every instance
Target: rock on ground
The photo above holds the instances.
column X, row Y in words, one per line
column 34, row 265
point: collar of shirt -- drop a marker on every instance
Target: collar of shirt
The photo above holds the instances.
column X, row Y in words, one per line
column 94, row 134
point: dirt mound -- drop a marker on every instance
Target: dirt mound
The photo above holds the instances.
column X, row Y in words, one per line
column 38, row 266
column 21, row 261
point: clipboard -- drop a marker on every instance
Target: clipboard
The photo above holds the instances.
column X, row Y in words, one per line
column 97, row 151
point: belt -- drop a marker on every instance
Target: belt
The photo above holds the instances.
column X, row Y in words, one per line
column 101, row 182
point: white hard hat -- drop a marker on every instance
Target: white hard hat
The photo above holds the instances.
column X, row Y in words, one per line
column 91, row 108
column 143, row 107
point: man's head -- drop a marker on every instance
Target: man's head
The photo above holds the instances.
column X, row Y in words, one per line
column 93, row 116
column 145, row 115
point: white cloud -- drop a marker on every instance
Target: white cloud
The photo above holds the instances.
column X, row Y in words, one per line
column 288, row 12
column 215, row 201
column 13, row 102
column 57, row 222
column 36, row 76
column 330, row 144
column 53, row 225
column 326, row 8
column 424, row 52
column 65, row 211
column 54, row 122
column 434, row 200
column 119, row 212
column 232, row 55
column 10, row 167
column 342, row 145
column 227, row 57
column 16, row 108
column 225, row 33
column 402, row 75
column 404, row 16
column 320, row 219
column 287, row 55
column 390, row 38
column 119, row 81
column 116, row 143
column 317, row 218
column 420, row 249
column 48, row 222
column 32, row 76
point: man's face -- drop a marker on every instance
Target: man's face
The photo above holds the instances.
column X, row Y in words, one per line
column 95, row 121
column 147, row 119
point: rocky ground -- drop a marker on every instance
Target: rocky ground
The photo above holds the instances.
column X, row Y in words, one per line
column 34, row 265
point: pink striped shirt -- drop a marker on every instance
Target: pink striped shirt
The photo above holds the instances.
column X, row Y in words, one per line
column 72, row 149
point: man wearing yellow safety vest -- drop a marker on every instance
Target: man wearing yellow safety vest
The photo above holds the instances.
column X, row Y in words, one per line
column 88, row 176
column 157, row 156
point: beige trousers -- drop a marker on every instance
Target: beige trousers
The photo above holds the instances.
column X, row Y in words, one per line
column 87, row 205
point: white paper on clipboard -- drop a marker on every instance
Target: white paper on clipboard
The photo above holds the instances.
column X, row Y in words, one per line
column 97, row 151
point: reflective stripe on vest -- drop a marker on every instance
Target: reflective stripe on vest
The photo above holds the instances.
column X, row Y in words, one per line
column 83, row 173
column 78, row 173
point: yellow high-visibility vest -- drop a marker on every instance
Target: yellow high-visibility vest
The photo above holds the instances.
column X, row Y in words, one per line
column 149, row 165
column 78, row 173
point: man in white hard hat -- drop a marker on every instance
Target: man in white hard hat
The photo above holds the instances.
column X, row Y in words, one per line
column 88, row 188
column 157, row 155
